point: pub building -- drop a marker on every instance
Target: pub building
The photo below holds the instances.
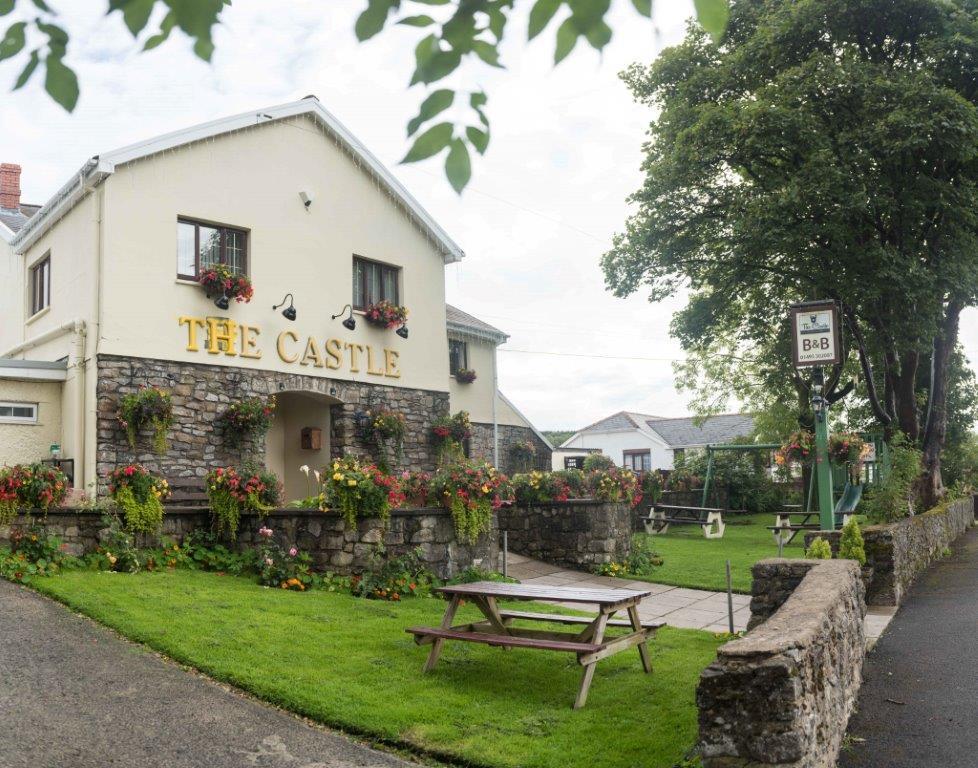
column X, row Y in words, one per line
column 100, row 296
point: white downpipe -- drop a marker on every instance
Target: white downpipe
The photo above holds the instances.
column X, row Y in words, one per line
column 76, row 326
column 495, row 425
column 91, row 372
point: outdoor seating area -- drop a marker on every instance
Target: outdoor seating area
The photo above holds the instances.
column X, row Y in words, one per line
column 709, row 519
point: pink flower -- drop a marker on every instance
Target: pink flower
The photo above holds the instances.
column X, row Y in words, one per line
column 266, row 532
column 293, row 552
column 268, row 561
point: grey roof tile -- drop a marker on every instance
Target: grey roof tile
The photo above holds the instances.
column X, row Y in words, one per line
column 619, row 421
column 14, row 219
column 463, row 321
column 685, row 433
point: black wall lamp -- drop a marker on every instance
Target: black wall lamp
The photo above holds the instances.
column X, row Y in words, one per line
column 350, row 324
column 289, row 312
column 402, row 332
column 222, row 301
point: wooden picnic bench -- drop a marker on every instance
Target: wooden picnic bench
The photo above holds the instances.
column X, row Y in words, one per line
column 788, row 524
column 710, row 519
column 497, row 628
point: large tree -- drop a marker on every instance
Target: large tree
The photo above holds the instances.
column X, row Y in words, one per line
column 820, row 149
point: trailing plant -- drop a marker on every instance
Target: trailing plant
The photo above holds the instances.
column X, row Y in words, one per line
column 357, row 490
column 25, row 487
column 851, row 545
column 799, row 448
column 385, row 314
column 598, row 461
column 522, row 453
column 449, row 433
column 140, row 495
column 220, row 280
column 415, row 488
column 540, row 487
column 247, row 419
column 470, row 491
column 32, row 553
column 231, row 494
column 819, row 549
column 393, row 578
column 148, row 407
column 465, row 376
column 387, row 425
column 613, row 485
column 893, row 497
column 650, row 487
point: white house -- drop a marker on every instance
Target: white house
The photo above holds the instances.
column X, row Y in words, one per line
column 640, row 441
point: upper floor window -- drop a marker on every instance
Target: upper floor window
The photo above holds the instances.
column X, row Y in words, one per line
column 200, row 246
column 458, row 356
column 373, row 282
column 41, row 285
column 638, row 461
column 18, row 413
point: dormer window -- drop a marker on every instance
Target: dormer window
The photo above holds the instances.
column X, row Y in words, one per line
column 200, row 246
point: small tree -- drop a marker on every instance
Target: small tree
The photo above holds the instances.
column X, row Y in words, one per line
column 819, row 549
column 851, row 546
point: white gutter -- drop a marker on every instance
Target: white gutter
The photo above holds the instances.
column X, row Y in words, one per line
column 74, row 326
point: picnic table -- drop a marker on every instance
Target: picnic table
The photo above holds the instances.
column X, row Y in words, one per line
column 661, row 516
column 791, row 521
column 497, row 628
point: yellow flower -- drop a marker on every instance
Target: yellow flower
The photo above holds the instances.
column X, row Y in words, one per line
column 336, row 465
column 337, row 476
column 485, row 489
column 351, row 482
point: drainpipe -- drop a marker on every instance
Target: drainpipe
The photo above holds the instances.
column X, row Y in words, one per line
column 76, row 326
column 90, row 397
column 495, row 396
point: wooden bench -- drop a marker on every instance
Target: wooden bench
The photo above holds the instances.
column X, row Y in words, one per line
column 785, row 529
column 186, row 494
column 710, row 519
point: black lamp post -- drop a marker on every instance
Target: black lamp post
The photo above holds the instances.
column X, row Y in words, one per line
column 289, row 312
column 350, row 324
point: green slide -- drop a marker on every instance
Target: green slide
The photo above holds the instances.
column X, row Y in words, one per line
column 848, row 502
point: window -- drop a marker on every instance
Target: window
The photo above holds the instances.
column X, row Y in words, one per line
column 373, row 282
column 200, row 246
column 678, row 456
column 18, row 413
column 41, row 285
column 638, row 461
column 573, row 462
column 458, row 356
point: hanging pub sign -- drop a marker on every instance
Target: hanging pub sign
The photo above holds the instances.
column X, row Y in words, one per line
column 815, row 336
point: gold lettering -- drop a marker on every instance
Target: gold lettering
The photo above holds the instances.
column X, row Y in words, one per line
column 391, row 364
column 249, row 342
column 280, row 346
column 221, row 335
column 334, row 353
column 371, row 368
column 192, row 323
column 355, row 350
column 313, row 353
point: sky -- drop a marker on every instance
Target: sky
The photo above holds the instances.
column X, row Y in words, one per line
column 540, row 211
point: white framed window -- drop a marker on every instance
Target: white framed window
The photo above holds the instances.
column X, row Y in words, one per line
column 638, row 460
column 40, row 281
column 18, row 413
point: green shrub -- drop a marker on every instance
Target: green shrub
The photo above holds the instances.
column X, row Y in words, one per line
column 598, row 461
column 32, row 553
column 893, row 498
column 393, row 578
column 851, row 545
column 743, row 473
column 819, row 549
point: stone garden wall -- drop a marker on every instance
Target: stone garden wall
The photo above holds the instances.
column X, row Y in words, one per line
column 481, row 447
column 898, row 552
column 576, row 534
column 781, row 696
column 323, row 535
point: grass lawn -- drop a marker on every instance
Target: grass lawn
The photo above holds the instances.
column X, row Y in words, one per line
column 348, row 663
column 690, row 560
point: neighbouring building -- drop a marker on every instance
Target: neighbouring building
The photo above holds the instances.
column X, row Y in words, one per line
column 640, row 441
column 100, row 296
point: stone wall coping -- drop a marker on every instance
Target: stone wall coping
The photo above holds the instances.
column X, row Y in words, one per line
column 568, row 503
column 276, row 512
column 797, row 622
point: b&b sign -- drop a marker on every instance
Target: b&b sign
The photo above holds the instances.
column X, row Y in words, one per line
column 815, row 338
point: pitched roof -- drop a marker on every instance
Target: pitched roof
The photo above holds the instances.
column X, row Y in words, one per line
column 623, row 420
column 467, row 325
column 15, row 218
column 97, row 168
column 684, row 432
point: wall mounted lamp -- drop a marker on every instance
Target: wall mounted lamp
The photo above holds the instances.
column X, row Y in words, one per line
column 306, row 199
column 350, row 324
column 222, row 301
column 402, row 332
column 289, row 312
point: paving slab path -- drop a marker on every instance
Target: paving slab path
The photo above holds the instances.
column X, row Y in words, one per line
column 75, row 695
column 918, row 706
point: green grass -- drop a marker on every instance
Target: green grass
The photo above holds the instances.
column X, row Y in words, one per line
column 690, row 560
column 348, row 663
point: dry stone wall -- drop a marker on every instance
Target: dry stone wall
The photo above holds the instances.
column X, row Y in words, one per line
column 481, row 447
column 781, row 696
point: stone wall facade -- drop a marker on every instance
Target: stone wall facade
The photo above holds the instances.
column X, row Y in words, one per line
column 201, row 392
column 324, row 535
column 781, row 696
column 898, row 552
column 481, row 447
column 576, row 534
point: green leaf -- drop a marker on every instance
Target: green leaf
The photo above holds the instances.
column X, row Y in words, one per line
column 438, row 101
column 372, row 20
column 136, row 13
column 442, row 64
column 56, row 35
column 599, row 35
column 6, row 6
column 644, row 7
column 478, row 99
column 540, row 15
column 567, row 34
column 429, row 143
column 487, row 52
column 417, row 21
column 204, row 48
column 478, row 138
column 61, row 83
column 458, row 166
column 713, row 16
column 27, row 71
column 166, row 27
column 13, row 41
column 433, row 2
column 588, row 13
column 40, row 4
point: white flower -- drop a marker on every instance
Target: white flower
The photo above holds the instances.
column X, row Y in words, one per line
column 318, row 478
column 304, row 469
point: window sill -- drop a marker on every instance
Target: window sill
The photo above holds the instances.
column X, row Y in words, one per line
column 185, row 281
column 38, row 315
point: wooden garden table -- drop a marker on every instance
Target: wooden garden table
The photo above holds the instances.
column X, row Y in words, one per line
column 496, row 629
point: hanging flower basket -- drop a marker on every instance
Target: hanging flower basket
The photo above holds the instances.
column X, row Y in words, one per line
column 465, row 376
column 219, row 280
column 149, row 407
column 384, row 314
column 799, row 447
column 249, row 418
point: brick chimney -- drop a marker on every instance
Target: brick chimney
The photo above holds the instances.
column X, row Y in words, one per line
column 10, row 186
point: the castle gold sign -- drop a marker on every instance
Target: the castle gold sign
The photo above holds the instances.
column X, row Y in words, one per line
column 223, row 336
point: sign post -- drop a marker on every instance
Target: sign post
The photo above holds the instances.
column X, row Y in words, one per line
column 816, row 342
